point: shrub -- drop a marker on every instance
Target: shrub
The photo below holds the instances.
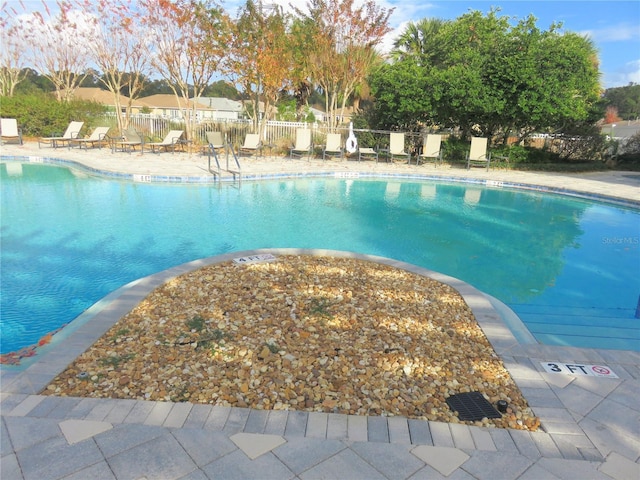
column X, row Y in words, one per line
column 307, row 115
column 40, row 114
column 365, row 139
column 287, row 111
column 455, row 149
column 628, row 153
column 579, row 148
column 515, row 153
column 540, row 156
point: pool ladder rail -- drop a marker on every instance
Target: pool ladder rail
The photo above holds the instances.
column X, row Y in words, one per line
column 216, row 169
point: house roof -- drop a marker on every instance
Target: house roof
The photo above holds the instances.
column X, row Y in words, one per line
column 166, row 100
column 98, row 95
column 221, row 104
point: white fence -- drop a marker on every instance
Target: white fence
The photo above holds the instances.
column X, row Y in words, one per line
column 278, row 135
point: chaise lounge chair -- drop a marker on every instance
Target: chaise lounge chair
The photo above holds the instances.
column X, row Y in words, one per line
column 332, row 146
column 396, row 147
column 478, row 155
column 303, row 145
column 215, row 142
column 431, row 149
column 72, row 132
column 128, row 142
column 170, row 142
column 98, row 137
column 9, row 130
column 367, row 152
column 252, row 145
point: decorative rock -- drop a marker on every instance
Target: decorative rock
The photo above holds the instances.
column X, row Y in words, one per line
column 369, row 350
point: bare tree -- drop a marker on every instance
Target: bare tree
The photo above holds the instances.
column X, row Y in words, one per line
column 12, row 52
column 59, row 44
column 121, row 51
column 190, row 37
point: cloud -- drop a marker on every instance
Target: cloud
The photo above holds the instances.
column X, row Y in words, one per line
column 617, row 33
column 631, row 72
column 628, row 73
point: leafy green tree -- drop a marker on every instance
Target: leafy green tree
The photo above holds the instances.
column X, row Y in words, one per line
column 301, row 31
column 548, row 79
column 400, row 100
column 287, row 110
column 222, row 89
column 488, row 77
column 34, row 82
column 154, row 87
column 92, row 80
column 463, row 79
column 626, row 100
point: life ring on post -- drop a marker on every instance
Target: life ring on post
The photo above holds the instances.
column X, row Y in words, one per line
column 352, row 142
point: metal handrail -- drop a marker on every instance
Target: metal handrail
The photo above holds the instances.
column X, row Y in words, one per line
column 218, row 169
column 218, row 172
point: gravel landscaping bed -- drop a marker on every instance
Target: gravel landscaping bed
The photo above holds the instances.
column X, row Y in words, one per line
column 301, row 333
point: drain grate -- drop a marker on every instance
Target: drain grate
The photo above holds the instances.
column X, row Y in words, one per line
column 472, row 406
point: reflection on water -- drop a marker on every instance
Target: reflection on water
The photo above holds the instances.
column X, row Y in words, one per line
column 562, row 264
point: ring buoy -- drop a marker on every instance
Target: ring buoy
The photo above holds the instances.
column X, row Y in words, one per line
column 352, row 144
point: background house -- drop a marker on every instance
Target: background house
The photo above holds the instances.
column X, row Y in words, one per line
column 220, row 108
column 104, row 97
column 168, row 106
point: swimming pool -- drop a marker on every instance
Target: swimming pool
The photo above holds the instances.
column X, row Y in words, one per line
column 568, row 267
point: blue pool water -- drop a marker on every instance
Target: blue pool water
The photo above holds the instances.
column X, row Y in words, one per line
column 568, row 267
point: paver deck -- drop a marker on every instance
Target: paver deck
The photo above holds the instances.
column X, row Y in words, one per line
column 590, row 425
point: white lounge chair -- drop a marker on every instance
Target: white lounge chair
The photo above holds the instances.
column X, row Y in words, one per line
column 252, row 145
column 9, row 130
column 98, row 137
column 332, row 146
column 170, row 141
column 396, row 147
column 478, row 155
column 431, row 149
column 303, row 145
column 215, row 142
column 128, row 142
column 72, row 132
column 367, row 152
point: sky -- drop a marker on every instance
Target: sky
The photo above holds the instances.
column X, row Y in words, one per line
column 613, row 25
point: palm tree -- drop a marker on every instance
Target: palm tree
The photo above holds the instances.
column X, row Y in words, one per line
column 419, row 41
